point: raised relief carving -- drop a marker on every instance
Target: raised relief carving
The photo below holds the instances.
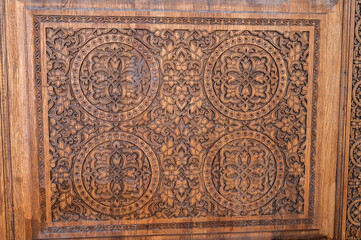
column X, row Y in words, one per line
column 168, row 124
column 114, row 77
column 353, row 217
column 244, row 170
column 116, row 173
column 245, row 78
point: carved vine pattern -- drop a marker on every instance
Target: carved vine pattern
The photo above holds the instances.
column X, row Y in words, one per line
column 353, row 212
column 186, row 89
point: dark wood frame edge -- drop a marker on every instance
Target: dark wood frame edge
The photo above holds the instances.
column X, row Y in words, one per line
column 341, row 177
column 344, row 119
column 5, row 159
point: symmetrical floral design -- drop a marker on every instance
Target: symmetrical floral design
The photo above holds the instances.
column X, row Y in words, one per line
column 178, row 123
column 116, row 173
column 114, row 77
column 244, row 170
column 245, row 77
column 354, row 213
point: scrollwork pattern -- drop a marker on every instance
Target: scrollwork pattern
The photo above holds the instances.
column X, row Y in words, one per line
column 353, row 220
column 245, row 77
column 243, row 170
column 149, row 90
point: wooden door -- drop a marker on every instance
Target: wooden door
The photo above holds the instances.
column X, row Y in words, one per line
column 180, row 119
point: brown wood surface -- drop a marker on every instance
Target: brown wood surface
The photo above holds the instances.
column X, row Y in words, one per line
column 177, row 120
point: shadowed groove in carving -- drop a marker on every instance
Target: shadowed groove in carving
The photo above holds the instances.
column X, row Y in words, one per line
column 116, row 173
column 353, row 212
column 114, row 77
column 244, row 170
column 245, row 77
column 192, row 106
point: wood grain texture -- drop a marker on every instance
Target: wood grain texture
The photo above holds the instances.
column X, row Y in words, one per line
column 229, row 6
column 17, row 145
column 3, row 212
column 224, row 120
column 345, row 93
column 6, row 199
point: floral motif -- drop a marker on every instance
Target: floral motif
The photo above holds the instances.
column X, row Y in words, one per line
column 243, row 171
column 354, row 212
column 296, row 169
column 181, row 171
column 353, row 217
column 116, row 173
column 57, row 77
column 115, row 77
column 245, row 77
column 141, row 128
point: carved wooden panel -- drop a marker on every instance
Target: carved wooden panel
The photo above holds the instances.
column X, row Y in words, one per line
column 353, row 219
column 161, row 127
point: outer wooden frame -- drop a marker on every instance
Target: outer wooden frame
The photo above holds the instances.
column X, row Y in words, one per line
column 19, row 129
column 345, row 107
column 7, row 230
column 349, row 182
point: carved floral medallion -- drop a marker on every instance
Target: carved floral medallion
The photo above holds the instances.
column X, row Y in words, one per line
column 167, row 126
column 114, row 175
column 245, row 78
column 114, row 77
column 243, row 170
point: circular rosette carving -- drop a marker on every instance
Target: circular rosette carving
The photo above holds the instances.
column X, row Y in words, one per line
column 356, row 154
column 354, row 212
column 116, row 173
column 245, row 77
column 356, row 92
column 114, row 77
column 244, row 170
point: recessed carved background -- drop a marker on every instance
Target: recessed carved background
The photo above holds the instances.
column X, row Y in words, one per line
column 114, row 77
column 353, row 216
column 116, row 173
column 245, row 77
column 170, row 124
column 244, row 170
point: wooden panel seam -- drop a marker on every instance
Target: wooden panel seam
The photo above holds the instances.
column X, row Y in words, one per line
column 341, row 175
column 5, row 140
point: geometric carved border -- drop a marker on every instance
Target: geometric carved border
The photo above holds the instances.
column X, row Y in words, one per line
column 38, row 20
column 353, row 210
